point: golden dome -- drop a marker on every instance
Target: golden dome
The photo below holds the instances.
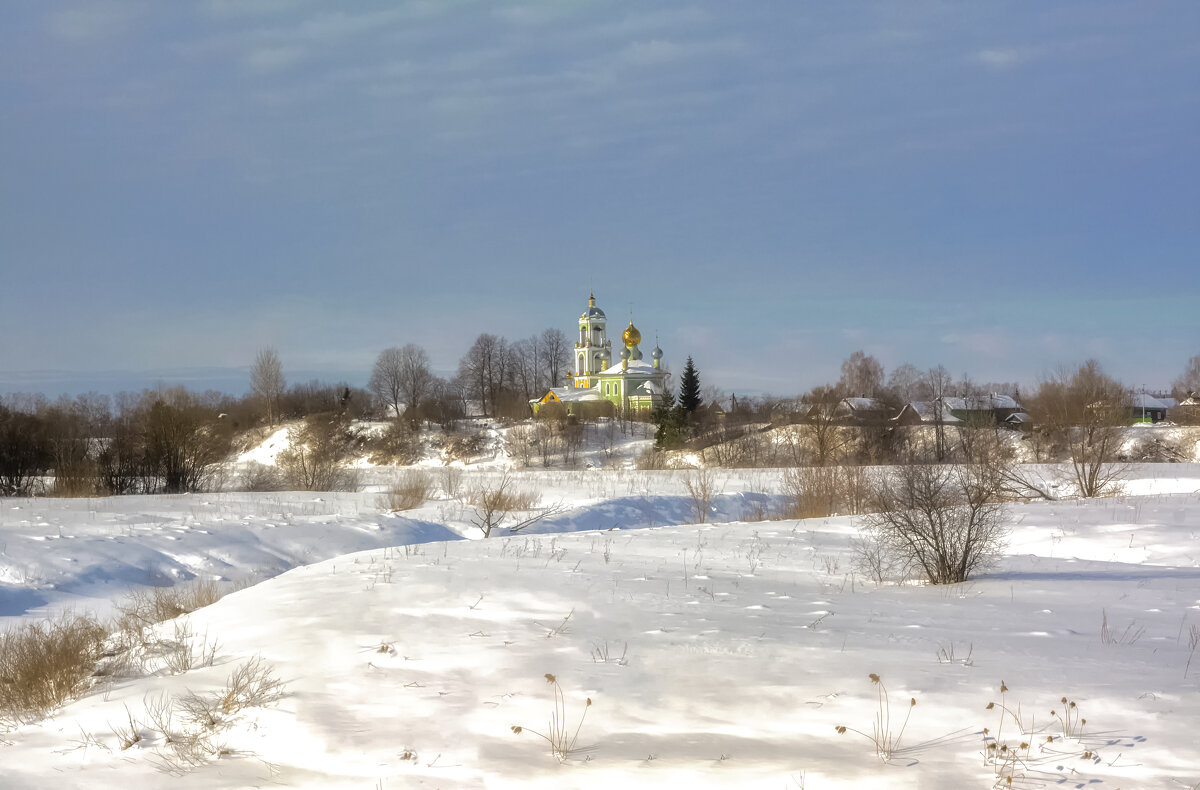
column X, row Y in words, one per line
column 631, row 336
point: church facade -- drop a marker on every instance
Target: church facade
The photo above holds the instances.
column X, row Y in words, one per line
column 631, row 385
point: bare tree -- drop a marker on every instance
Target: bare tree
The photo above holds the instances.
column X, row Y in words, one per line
column 267, row 382
column 386, row 380
column 526, row 366
column 937, row 383
column 484, row 371
column 905, row 382
column 182, row 440
column 1189, row 383
column 556, row 355
column 825, row 435
column 25, row 452
column 946, row 521
column 1084, row 412
column 862, row 375
column 401, row 377
column 416, row 379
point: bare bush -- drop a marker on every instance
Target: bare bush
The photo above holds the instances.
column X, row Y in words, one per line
column 652, row 458
column 945, row 521
column 465, row 447
column 141, row 609
column 317, row 455
column 184, row 653
column 450, row 481
column 874, row 559
column 251, row 685
column 822, row 491
column 44, row 664
column 411, row 489
column 261, row 477
column 702, row 490
column 520, row 442
column 501, row 502
column 399, row 444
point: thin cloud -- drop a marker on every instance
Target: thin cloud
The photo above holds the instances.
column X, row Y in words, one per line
column 658, row 51
column 1002, row 59
column 274, row 58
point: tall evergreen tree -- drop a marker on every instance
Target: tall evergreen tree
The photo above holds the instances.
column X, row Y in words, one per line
column 689, row 388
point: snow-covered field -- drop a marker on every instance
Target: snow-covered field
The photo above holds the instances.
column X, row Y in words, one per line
column 715, row 655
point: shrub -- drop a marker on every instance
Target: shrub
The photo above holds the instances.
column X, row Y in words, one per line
column 945, row 521
column 44, row 664
column 260, row 477
column 412, row 489
column 652, row 458
column 141, row 609
column 465, row 447
column 182, row 653
column 317, row 455
column 450, row 481
column 822, row 491
column 399, row 444
column 251, row 685
column 495, row 502
column 203, row 717
column 182, row 443
column 702, row 489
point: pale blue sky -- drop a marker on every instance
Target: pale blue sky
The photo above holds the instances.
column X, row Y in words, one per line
column 996, row 187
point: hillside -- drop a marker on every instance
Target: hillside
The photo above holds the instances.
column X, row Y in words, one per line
column 733, row 650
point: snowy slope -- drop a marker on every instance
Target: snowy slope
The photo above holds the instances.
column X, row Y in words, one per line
column 745, row 644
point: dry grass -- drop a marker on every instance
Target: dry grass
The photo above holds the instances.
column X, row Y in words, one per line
column 822, row 491
column 203, row 717
column 503, row 496
column 494, row 502
column 883, row 735
column 142, row 609
column 252, row 685
column 410, row 490
column 44, row 664
column 562, row 739
column 184, row 653
column 1132, row 633
column 702, row 490
column 1029, row 748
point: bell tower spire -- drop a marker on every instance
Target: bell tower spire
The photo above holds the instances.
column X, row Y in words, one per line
column 594, row 350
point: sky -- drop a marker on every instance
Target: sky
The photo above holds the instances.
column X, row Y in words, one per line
column 997, row 188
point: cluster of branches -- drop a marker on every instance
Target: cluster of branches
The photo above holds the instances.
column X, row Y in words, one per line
column 1079, row 414
column 495, row 378
column 167, row 440
column 502, row 377
column 938, row 521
